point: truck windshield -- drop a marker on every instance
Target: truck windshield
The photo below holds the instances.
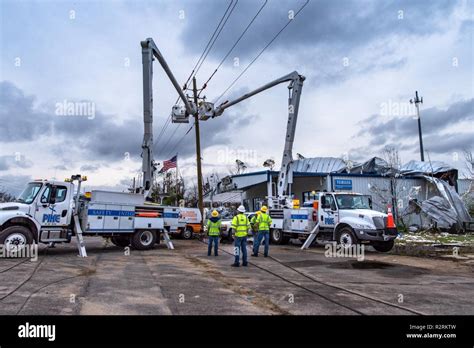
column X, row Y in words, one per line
column 352, row 201
column 29, row 193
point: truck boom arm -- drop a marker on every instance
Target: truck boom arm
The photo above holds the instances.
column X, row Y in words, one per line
column 295, row 87
column 149, row 50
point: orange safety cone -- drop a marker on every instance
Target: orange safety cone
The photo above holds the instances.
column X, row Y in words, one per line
column 390, row 222
column 391, row 228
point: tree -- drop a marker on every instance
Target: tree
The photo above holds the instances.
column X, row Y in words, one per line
column 269, row 163
column 240, row 167
column 6, row 197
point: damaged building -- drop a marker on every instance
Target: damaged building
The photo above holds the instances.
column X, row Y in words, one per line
column 423, row 194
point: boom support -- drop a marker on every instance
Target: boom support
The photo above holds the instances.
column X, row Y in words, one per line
column 149, row 50
column 295, row 87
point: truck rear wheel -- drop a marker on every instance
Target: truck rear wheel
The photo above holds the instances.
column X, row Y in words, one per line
column 345, row 237
column 383, row 247
column 16, row 238
column 143, row 239
column 187, row 233
column 276, row 236
column 121, row 241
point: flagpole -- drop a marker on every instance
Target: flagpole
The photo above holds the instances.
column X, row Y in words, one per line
column 176, row 179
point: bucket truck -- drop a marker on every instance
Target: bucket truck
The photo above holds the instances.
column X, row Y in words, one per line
column 50, row 211
column 348, row 220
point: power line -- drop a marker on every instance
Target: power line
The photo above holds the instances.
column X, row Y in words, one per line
column 201, row 59
column 261, row 52
column 214, row 41
column 179, row 141
column 233, row 46
column 208, row 43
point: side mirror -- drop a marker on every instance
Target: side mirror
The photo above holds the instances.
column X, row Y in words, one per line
column 52, row 195
column 324, row 203
column 370, row 202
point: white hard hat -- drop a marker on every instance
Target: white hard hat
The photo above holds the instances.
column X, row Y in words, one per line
column 241, row 208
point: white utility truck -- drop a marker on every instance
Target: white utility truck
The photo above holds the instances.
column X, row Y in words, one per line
column 48, row 211
column 344, row 217
column 54, row 211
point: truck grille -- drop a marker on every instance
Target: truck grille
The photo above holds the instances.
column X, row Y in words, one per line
column 379, row 222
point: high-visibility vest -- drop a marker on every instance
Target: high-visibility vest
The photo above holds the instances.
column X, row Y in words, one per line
column 213, row 228
column 264, row 221
column 240, row 224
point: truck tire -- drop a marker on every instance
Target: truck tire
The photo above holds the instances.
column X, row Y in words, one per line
column 276, row 236
column 384, row 247
column 16, row 238
column 121, row 241
column 187, row 233
column 345, row 237
column 144, row 239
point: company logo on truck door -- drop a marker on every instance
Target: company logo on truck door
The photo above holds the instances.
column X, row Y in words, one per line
column 329, row 221
column 51, row 218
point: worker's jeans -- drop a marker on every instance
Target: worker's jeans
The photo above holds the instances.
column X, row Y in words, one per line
column 215, row 240
column 261, row 235
column 256, row 242
column 240, row 245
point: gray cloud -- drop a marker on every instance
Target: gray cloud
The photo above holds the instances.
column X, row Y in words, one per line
column 379, row 131
column 342, row 25
column 7, row 162
column 103, row 137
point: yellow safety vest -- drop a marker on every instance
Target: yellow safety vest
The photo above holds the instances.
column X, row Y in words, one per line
column 240, row 224
column 264, row 221
column 213, row 228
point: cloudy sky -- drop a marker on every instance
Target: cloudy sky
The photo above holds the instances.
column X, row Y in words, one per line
column 363, row 61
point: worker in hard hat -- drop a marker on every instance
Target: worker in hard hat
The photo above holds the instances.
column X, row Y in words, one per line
column 240, row 225
column 264, row 222
column 213, row 231
column 253, row 222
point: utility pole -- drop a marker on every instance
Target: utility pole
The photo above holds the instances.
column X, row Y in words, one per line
column 198, row 153
column 417, row 101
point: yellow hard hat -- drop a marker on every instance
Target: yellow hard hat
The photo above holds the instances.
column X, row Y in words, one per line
column 215, row 213
column 264, row 209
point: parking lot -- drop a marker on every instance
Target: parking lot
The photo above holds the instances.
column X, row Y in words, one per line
column 187, row 281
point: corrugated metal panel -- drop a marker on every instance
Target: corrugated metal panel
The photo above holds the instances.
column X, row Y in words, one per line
column 226, row 197
column 319, row 165
column 464, row 185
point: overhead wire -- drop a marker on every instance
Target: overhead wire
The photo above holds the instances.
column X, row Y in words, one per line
column 261, row 52
column 234, row 45
column 220, row 26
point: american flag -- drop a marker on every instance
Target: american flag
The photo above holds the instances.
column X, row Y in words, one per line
column 171, row 163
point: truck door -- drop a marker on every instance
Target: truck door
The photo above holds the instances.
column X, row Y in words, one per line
column 328, row 214
column 52, row 207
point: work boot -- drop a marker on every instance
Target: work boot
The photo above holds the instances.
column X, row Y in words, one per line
column 235, row 265
column 245, row 264
column 216, row 254
column 256, row 255
column 265, row 255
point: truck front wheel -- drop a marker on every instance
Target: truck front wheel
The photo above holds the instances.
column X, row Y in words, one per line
column 383, row 247
column 144, row 239
column 345, row 237
column 16, row 238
